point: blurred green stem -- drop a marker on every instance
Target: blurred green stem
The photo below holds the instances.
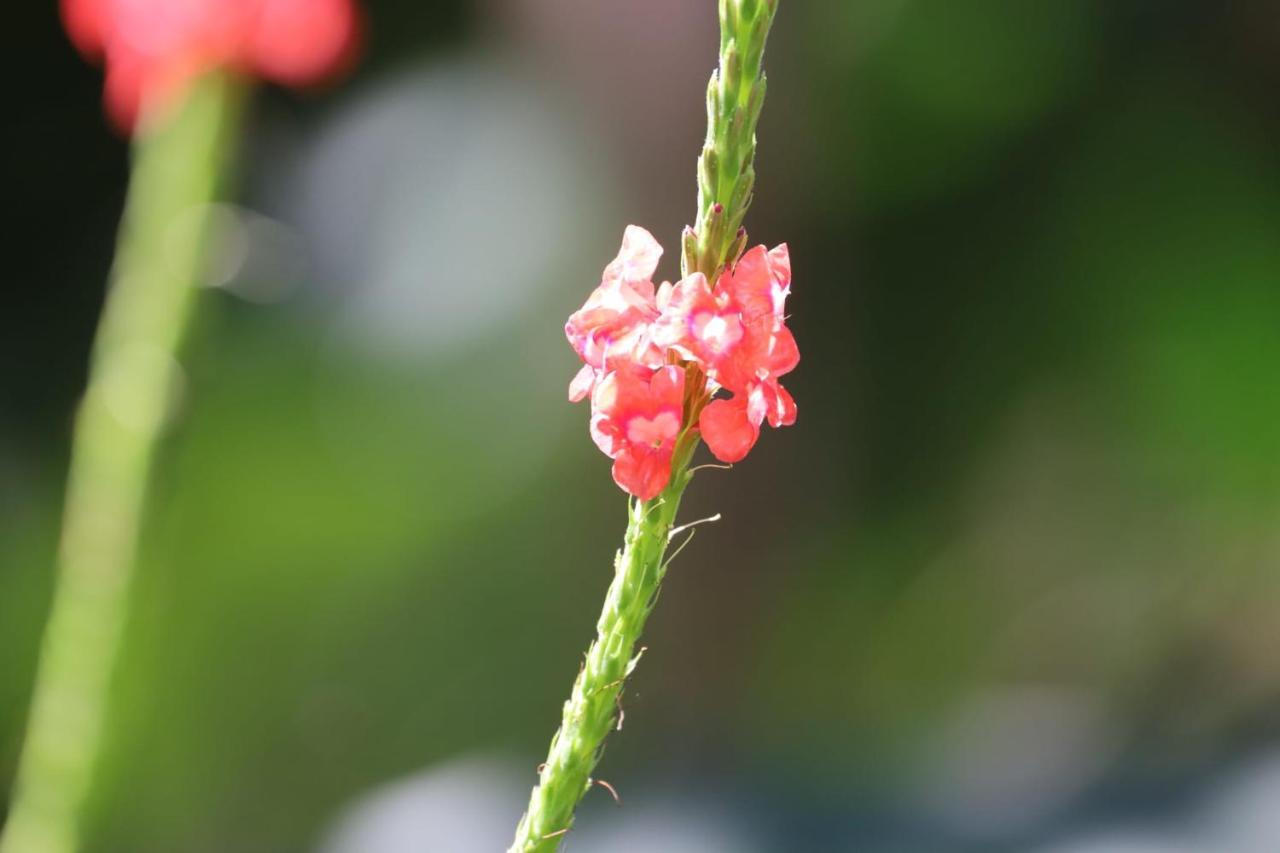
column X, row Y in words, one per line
column 726, row 176
column 133, row 377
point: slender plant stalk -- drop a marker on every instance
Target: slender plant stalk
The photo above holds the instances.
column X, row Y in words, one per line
column 725, row 180
column 593, row 708
column 133, row 375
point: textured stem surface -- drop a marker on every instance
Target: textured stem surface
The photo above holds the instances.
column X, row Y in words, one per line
column 726, row 167
column 131, row 382
column 593, row 708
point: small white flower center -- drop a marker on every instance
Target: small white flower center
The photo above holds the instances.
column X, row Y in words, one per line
column 654, row 431
column 717, row 331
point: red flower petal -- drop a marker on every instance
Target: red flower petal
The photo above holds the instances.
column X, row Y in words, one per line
column 784, row 355
column 728, row 430
column 781, row 407
column 750, row 285
column 642, row 474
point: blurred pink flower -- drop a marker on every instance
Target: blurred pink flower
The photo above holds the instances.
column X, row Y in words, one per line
column 153, row 49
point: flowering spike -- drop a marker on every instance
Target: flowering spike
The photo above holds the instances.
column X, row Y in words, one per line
column 654, row 360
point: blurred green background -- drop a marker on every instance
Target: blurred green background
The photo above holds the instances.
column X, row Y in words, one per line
column 1011, row 583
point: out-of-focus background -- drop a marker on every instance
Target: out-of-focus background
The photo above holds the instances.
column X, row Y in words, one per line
column 1012, row 583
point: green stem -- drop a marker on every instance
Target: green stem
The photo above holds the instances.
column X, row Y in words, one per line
column 726, row 176
column 593, row 708
column 132, row 379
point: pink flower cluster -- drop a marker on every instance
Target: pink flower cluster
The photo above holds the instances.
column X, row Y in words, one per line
column 645, row 348
column 154, row 48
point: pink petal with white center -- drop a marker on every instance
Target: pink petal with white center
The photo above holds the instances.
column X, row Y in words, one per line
column 687, row 307
column 635, row 420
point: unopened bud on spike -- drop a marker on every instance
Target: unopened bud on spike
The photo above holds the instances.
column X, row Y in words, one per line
column 733, row 67
column 688, row 251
